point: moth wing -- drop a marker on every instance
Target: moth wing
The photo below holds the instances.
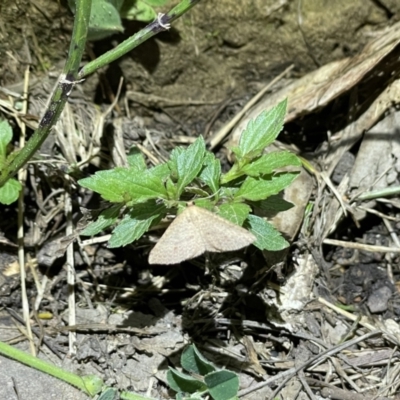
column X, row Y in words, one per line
column 219, row 234
column 181, row 241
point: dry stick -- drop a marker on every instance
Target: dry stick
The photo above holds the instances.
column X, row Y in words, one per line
column 21, row 253
column 325, row 354
column 361, row 246
column 70, row 274
column 396, row 241
column 220, row 135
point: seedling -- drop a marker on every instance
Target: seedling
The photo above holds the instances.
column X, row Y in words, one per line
column 202, row 379
column 141, row 197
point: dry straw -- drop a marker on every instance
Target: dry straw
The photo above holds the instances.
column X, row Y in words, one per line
column 195, row 231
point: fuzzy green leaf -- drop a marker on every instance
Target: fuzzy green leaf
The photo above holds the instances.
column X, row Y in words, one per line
column 121, row 185
column 261, row 132
column 211, row 173
column 234, row 212
column 256, row 189
column 9, row 192
column 193, row 361
column 189, row 163
column 136, row 159
column 105, row 219
column 268, row 238
column 136, row 223
column 181, row 382
column 222, row 385
column 268, row 163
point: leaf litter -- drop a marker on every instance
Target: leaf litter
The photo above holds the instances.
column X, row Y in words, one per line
column 295, row 327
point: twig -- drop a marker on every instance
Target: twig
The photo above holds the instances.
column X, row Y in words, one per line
column 287, row 375
column 361, row 246
column 21, row 207
column 70, row 274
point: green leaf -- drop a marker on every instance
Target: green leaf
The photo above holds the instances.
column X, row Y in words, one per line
column 106, row 218
column 9, row 192
column 206, row 203
column 274, row 203
column 136, row 159
column 137, row 10
column 234, row 212
column 189, row 163
column 5, row 139
column 268, row 163
column 108, row 394
column 104, row 19
column 268, row 238
column 156, row 3
column 181, row 382
column 256, row 189
column 121, row 185
column 193, row 361
column 222, row 385
column 211, row 173
column 261, row 132
column 136, row 223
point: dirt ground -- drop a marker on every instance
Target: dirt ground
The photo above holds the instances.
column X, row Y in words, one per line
column 320, row 320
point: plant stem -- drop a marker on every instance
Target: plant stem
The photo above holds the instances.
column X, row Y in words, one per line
column 88, row 384
column 59, row 96
column 146, row 33
column 70, row 75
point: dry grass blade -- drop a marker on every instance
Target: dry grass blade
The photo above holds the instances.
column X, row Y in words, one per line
column 196, row 231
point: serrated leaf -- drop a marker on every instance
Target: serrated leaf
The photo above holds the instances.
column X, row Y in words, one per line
column 211, row 173
column 193, row 361
column 123, row 185
column 9, row 192
column 136, row 159
column 261, row 132
column 274, row 204
column 181, row 382
column 189, row 163
column 268, row 163
column 5, row 139
column 256, row 189
column 268, row 238
column 222, row 385
column 234, row 212
column 136, row 223
column 105, row 219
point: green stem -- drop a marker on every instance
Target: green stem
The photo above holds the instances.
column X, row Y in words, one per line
column 89, row 384
column 150, row 30
column 59, row 96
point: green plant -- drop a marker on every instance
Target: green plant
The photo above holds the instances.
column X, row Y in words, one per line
column 204, row 379
column 73, row 74
column 9, row 192
column 106, row 15
column 142, row 196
